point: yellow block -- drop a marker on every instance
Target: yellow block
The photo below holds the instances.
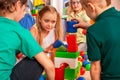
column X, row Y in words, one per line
column 38, row 2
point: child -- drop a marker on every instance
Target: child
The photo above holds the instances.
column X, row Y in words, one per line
column 14, row 38
column 48, row 27
column 102, row 39
column 75, row 10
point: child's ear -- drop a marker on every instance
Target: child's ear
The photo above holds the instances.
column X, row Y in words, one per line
column 91, row 7
column 17, row 5
column 39, row 19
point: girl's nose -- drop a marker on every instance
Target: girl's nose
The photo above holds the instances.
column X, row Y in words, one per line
column 50, row 25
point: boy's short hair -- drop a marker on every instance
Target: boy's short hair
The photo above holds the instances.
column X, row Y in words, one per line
column 84, row 2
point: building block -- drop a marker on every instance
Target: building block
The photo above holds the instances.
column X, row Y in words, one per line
column 71, row 39
column 70, row 28
column 20, row 55
column 59, row 72
column 82, row 70
column 72, row 43
column 73, row 48
column 67, row 54
column 71, row 74
column 42, row 77
column 38, row 2
column 57, row 43
column 73, row 63
column 87, row 67
column 81, row 78
column 61, row 49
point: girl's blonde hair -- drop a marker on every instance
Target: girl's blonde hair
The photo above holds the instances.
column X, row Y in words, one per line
column 58, row 26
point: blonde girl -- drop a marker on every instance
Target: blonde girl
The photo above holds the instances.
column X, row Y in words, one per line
column 48, row 27
column 75, row 10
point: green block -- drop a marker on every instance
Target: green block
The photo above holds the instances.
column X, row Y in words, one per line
column 33, row 12
column 67, row 54
column 62, row 49
column 71, row 74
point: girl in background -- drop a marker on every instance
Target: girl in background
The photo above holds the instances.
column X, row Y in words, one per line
column 75, row 10
column 48, row 27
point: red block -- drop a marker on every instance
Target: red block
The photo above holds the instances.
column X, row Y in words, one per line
column 82, row 71
column 20, row 55
column 82, row 53
column 72, row 48
column 59, row 72
column 71, row 39
column 72, row 43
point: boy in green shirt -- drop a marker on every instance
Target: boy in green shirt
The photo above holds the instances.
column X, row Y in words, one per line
column 103, row 39
column 14, row 38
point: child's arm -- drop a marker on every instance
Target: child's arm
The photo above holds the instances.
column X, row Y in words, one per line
column 47, row 64
column 49, row 49
column 95, row 70
column 81, row 24
column 33, row 30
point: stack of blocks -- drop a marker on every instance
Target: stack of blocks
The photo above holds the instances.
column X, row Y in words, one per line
column 69, row 63
column 66, row 63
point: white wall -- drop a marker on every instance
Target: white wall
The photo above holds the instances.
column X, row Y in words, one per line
column 58, row 4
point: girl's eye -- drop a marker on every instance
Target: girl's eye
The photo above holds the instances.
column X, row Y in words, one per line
column 46, row 20
column 53, row 21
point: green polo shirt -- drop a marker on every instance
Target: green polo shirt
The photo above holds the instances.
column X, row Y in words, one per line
column 103, row 40
column 14, row 38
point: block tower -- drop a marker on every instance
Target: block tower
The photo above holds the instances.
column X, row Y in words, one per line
column 66, row 63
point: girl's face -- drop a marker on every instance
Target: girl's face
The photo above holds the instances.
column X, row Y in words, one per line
column 76, row 5
column 48, row 21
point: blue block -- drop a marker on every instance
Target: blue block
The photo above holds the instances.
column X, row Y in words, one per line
column 57, row 44
column 42, row 77
column 81, row 78
column 70, row 28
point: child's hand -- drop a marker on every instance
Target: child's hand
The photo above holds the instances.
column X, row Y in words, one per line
column 49, row 49
column 81, row 24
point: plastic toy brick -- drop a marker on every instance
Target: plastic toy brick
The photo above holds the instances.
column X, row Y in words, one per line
column 67, row 54
column 72, row 48
column 20, row 55
column 85, row 62
column 42, row 77
column 72, row 62
column 61, row 49
column 81, row 78
column 57, row 44
column 38, row 2
column 70, row 28
column 71, row 39
column 72, row 43
column 87, row 67
column 82, row 71
column 59, row 73
column 71, row 74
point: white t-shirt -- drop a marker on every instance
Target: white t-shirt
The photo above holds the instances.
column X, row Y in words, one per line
column 49, row 39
